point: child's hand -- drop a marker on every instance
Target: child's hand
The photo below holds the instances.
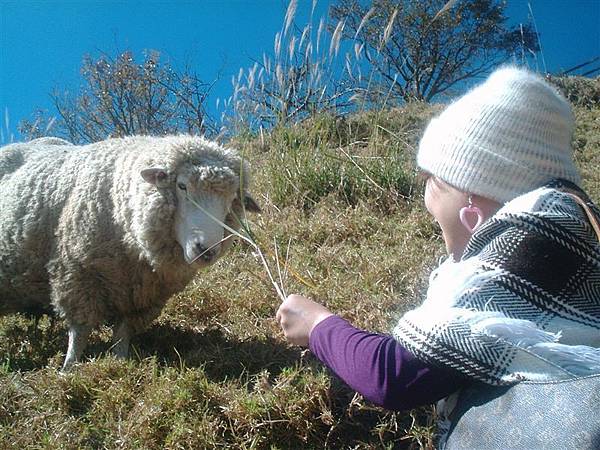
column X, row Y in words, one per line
column 298, row 316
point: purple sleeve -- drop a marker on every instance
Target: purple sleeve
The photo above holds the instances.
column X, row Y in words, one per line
column 379, row 368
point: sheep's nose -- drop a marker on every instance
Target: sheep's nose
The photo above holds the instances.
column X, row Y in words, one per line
column 205, row 254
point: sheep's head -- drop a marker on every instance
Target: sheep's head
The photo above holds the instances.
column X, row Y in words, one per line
column 207, row 197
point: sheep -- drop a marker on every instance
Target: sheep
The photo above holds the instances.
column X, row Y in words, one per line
column 13, row 156
column 107, row 232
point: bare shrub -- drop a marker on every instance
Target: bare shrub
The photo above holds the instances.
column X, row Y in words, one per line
column 121, row 97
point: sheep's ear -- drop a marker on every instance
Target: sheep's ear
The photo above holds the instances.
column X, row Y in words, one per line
column 156, row 176
column 250, row 204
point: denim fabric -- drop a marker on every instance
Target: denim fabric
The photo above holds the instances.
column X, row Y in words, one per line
column 528, row 416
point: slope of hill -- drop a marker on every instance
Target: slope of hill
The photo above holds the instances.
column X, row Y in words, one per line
column 343, row 208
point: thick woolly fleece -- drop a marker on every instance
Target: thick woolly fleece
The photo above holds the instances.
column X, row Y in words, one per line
column 523, row 303
column 82, row 231
column 507, row 136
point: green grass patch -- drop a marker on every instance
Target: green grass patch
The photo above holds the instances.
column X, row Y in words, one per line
column 364, row 157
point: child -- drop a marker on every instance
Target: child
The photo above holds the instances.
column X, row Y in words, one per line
column 518, row 297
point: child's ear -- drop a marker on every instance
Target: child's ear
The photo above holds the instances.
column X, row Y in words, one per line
column 250, row 204
column 156, row 176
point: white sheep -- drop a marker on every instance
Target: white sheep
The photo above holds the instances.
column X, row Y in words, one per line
column 107, row 232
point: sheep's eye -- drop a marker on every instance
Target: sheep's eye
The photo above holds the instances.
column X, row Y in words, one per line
column 181, row 186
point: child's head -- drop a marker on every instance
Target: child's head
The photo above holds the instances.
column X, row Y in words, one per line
column 507, row 136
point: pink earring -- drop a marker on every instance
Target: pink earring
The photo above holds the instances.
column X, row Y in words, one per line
column 465, row 216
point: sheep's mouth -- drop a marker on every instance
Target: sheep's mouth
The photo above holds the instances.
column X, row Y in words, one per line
column 200, row 264
column 206, row 256
column 199, row 259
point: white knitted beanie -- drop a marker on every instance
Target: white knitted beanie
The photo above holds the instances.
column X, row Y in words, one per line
column 507, row 136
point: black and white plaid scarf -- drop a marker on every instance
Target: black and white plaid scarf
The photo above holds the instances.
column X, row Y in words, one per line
column 523, row 303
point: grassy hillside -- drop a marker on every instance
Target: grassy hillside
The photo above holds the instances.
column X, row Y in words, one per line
column 343, row 207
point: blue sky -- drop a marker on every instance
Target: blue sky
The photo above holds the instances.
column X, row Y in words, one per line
column 42, row 42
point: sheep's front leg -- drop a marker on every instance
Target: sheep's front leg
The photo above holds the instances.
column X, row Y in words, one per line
column 78, row 338
column 121, row 337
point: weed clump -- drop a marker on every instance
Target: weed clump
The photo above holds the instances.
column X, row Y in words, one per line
column 580, row 91
column 327, row 155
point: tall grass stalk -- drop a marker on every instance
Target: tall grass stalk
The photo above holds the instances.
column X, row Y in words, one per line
column 537, row 36
column 387, row 32
column 289, row 15
column 6, row 136
column 351, row 159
